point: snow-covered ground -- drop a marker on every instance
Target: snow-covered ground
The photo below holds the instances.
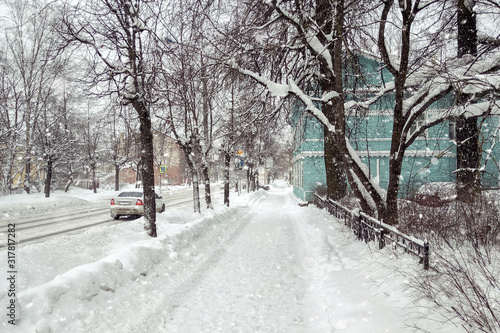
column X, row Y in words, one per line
column 263, row 265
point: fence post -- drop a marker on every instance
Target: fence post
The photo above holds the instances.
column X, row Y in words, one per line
column 381, row 240
column 426, row 254
column 360, row 228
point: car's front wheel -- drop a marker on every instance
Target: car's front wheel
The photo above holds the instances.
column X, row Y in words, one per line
column 162, row 208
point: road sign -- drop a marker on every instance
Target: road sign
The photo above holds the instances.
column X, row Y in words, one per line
column 163, row 169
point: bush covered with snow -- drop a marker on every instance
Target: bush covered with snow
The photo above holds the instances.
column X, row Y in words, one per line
column 462, row 285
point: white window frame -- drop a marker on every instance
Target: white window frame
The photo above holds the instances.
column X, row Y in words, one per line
column 301, row 174
column 452, row 130
column 417, row 124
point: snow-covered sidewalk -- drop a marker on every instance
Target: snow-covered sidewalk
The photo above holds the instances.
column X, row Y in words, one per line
column 263, row 265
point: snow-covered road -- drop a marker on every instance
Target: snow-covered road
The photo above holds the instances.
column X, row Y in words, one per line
column 263, row 265
column 34, row 224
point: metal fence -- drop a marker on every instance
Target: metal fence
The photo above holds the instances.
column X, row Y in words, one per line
column 368, row 229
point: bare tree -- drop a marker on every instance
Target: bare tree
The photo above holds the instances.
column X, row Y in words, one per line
column 29, row 46
column 190, row 87
column 468, row 150
column 313, row 41
column 185, row 118
column 296, row 48
column 423, row 74
column 53, row 137
column 92, row 144
column 246, row 119
column 11, row 122
column 122, row 41
column 122, row 140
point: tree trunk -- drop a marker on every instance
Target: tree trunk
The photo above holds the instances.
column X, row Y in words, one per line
column 255, row 179
column 207, row 131
column 70, row 179
column 138, row 175
column 68, row 184
column 252, row 180
column 7, row 171
column 468, row 157
column 27, row 176
column 94, row 184
column 206, row 179
column 332, row 81
column 467, row 32
column 208, row 191
column 48, row 177
column 468, row 177
column 248, row 179
column 194, row 177
column 390, row 214
column 227, row 164
column 196, row 193
column 147, row 162
column 334, row 165
column 117, row 177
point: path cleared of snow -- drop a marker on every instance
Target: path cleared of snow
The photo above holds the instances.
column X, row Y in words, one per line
column 263, row 265
column 257, row 283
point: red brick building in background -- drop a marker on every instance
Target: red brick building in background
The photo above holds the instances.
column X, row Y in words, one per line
column 167, row 153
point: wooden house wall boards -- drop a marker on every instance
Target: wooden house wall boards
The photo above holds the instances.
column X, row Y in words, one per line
column 430, row 158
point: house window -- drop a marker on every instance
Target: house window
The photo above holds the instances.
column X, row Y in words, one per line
column 299, row 132
column 452, row 130
column 301, row 174
column 296, row 175
column 298, row 169
column 418, row 123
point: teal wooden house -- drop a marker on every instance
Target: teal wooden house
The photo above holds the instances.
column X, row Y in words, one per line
column 308, row 163
column 431, row 158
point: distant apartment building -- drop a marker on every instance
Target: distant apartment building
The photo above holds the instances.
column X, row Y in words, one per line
column 169, row 160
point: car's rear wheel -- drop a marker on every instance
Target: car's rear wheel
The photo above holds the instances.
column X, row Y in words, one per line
column 115, row 216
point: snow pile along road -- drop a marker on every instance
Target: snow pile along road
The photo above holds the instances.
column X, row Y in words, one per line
column 263, row 265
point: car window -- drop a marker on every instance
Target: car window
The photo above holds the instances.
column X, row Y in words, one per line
column 130, row 194
column 135, row 195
